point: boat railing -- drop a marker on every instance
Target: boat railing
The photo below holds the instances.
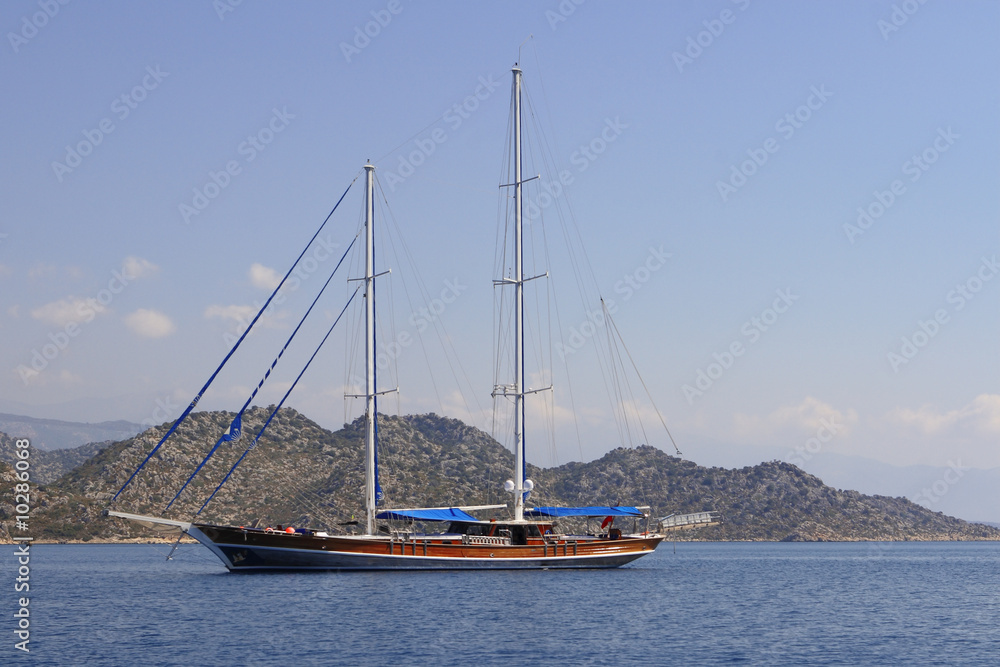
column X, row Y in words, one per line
column 696, row 519
column 484, row 539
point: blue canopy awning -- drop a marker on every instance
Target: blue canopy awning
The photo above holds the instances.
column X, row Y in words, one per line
column 593, row 510
column 442, row 514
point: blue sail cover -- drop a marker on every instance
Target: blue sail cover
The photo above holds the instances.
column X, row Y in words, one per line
column 447, row 514
column 594, row 510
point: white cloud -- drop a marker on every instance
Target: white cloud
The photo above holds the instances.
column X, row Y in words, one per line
column 136, row 267
column 980, row 417
column 42, row 271
column 67, row 378
column 808, row 416
column 263, row 277
column 70, row 309
column 29, row 376
column 150, row 323
column 240, row 314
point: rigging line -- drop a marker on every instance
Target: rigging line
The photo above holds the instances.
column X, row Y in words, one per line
column 315, row 505
column 553, row 304
column 374, row 370
column 234, row 431
column 505, row 213
column 414, row 136
column 438, row 322
column 541, row 84
column 241, row 339
column 354, row 332
column 393, row 336
column 549, row 159
column 536, row 226
column 626, row 399
column 633, row 404
column 569, row 382
column 420, row 339
column 648, row 393
column 277, row 407
column 277, row 474
column 301, row 497
column 549, row 164
column 439, row 326
column 582, row 268
column 311, row 500
column 504, row 216
column 392, row 369
column 619, row 404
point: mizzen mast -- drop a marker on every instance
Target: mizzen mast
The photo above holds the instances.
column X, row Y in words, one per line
column 370, row 415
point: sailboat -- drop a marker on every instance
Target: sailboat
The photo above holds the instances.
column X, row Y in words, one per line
column 528, row 540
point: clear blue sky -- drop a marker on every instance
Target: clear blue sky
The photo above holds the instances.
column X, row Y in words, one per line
column 833, row 100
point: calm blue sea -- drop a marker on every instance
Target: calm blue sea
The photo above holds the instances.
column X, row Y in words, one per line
column 743, row 603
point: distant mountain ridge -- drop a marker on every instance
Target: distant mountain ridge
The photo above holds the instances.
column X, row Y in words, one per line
column 304, row 475
column 52, row 434
column 49, row 466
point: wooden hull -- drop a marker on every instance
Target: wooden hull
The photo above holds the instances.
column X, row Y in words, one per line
column 250, row 550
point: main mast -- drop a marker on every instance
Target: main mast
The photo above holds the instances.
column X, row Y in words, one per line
column 370, row 389
column 518, row 312
column 518, row 485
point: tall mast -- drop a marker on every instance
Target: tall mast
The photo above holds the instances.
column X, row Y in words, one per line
column 370, row 389
column 518, row 312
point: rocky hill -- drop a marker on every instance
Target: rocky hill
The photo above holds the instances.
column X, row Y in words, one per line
column 304, row 475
